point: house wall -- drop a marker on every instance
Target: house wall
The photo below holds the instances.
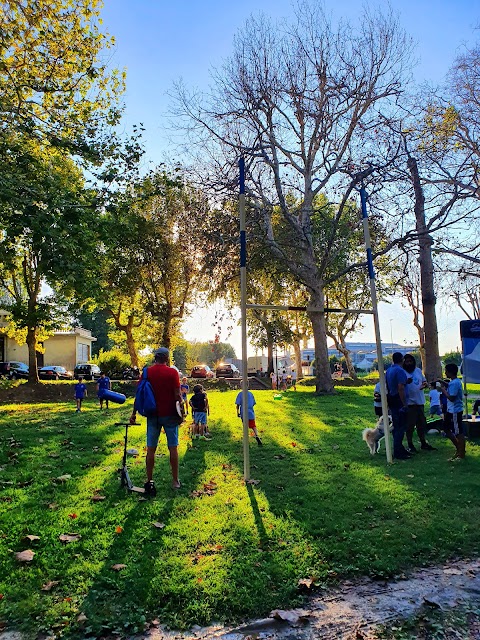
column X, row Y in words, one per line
column 65, row 350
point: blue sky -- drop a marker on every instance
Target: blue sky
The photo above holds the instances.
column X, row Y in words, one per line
column 159, row 42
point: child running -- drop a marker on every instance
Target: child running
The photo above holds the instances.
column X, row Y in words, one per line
column 251, row 413
column 80, row 393
column 453, row 424
column 200, row 410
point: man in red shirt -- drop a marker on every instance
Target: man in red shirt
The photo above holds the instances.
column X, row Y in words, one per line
column 166, row 389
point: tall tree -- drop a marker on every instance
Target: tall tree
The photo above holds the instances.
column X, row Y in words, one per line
column 55, row 83
column 47, row 237
column 304, row 103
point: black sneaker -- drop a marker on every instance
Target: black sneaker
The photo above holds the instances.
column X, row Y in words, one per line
column 428, row 447
column 412, row 449
column 402, row 456
column 259, row 442
column 150, row 489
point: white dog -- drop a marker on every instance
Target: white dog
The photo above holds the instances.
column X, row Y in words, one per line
column 373, row 436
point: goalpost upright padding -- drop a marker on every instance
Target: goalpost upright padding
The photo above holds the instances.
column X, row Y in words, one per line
column 244, row 306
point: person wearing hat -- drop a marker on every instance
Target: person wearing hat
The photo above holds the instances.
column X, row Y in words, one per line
column 166, row 389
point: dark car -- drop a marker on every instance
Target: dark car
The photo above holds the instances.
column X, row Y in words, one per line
column 14, row 370
column 226, row 370
column 54, row 372
column 201, row 371
column 87, row 371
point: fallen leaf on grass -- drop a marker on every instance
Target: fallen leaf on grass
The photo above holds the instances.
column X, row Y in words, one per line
column 1, row 596
column 48, row 586
column 82, row 618
column 31, row 538
column 414, row 537
column 118, row 529
column 119, row 567
column 280, row 457
column 252, row 482
column 53, row 505
column 97, row 498
column 158, row 525
column 63, row 478
column 25, row 483
column 410, row 475
column 25, row 556
column 294, row 444
column 69, row 537
column 73, row 516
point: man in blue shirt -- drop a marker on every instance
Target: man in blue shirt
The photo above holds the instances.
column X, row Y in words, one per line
column 396, row 378
column 453, row 423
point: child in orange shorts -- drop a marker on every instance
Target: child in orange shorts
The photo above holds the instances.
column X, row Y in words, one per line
column 251, row 413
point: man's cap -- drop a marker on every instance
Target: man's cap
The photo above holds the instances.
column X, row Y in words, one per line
column 162, row 351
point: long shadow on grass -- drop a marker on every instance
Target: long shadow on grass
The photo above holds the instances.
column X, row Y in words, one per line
column 362, row 515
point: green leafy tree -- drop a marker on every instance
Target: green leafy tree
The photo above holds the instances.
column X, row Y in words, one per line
column 55, row 83
column 47, row 237
column 452, row 357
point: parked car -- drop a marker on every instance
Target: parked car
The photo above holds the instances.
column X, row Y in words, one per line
column 201, row 371
column 14, row 370
column 226, row 370
column 87, row 371
column 54, row 372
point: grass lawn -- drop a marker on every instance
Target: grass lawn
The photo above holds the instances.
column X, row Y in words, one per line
column 323, row 509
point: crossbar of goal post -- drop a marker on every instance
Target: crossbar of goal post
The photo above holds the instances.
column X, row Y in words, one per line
column 244, row 306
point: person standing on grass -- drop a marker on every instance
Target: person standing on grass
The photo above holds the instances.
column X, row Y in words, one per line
column 80, row 393
column 103, row 384
column 251, row 413
column 294, row 380
column 166, row 389
column 453, row 423
column 434, row 396
column 273, row 377
column 416, row 405
column 200, row 410
column 396, row 379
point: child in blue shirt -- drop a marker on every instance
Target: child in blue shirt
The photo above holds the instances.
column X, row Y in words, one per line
column 103, row 384
column 80, row 393
column 453, row 423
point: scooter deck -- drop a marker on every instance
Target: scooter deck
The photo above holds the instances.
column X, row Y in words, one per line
column 138, row 489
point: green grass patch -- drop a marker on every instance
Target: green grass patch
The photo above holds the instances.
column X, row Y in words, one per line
column 324, row 508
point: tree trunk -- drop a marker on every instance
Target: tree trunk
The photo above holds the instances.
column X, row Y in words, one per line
column 32, row 355
column 131, row 346
column 324, row 382
column 348, row 360
column 167, row 329
column 433, row 367
column 270, row 367
column 298, row 359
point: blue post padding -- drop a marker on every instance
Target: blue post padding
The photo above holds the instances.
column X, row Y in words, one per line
column 363, row 199
column 241, row 167
column 371, row 271
column 113, row 396
column 243, row 249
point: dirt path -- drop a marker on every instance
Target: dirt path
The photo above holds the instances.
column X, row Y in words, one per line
column 354, row 609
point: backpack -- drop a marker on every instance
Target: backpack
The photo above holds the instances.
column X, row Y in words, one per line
column 145, row 402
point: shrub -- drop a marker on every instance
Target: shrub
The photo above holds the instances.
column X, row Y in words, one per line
column 112, row 362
